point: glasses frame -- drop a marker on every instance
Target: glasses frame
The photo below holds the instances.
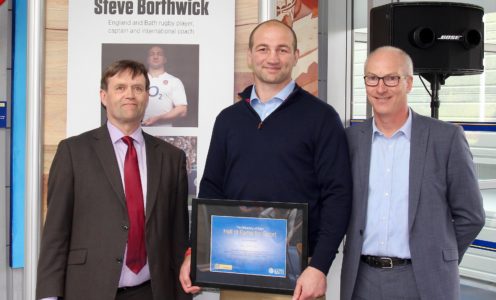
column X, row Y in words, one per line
column 383, row 81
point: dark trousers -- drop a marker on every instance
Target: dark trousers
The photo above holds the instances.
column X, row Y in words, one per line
column 397, row 283
column 141, row 292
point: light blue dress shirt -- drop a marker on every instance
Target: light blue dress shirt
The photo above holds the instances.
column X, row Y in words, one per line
column 386, row 231
column 265, row 109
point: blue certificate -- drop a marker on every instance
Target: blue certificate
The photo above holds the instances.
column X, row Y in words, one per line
column 251, row 246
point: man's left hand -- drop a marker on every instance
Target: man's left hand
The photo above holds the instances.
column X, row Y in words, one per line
column 311, row 285
column 184, row 277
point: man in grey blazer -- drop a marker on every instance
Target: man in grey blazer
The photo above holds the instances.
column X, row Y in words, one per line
column 416, row 200
column 87, row 248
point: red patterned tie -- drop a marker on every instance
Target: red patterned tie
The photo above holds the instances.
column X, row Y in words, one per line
column 136, row 251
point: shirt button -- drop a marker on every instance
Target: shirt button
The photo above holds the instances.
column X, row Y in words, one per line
column 125, row 227
column 388, row 170
column 386, row 194
column 118, row 260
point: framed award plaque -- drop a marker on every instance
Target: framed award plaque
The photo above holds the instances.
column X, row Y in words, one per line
column 248, row 245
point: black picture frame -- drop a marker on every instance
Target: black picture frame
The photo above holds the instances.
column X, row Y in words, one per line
column 296, row 256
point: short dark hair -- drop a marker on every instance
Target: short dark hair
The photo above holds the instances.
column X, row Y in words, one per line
column 136, row 69
column 277, row 22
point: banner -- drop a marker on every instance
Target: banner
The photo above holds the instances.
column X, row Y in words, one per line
column 188, row 47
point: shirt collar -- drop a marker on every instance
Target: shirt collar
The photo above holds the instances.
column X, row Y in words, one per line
column 281, row 96
column 406, row 129
column 116, row 134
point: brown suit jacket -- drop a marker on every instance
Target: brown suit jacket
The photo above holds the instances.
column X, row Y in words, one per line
column 85, row 233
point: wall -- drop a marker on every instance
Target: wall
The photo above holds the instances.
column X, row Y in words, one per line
column 56, row 32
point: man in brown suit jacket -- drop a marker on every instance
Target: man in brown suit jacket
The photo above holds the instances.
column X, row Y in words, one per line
column 84, row 246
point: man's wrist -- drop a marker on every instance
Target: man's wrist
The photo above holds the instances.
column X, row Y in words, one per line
column 188, row 252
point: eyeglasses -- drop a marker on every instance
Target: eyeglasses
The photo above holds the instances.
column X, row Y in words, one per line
column 389, row 80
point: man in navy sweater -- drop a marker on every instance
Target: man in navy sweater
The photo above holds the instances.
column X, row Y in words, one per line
column 280, row 143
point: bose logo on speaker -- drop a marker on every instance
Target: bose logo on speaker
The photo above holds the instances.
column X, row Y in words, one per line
column 450, row 37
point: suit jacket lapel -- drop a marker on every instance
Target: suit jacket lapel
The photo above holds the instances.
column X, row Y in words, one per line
column 154, row 169
column 364, row 151
column 106, row 155
column 418, row 149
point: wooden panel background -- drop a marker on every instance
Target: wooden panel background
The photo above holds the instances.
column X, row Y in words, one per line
column 56, row 32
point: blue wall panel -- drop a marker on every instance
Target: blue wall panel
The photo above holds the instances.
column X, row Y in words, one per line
column 18, row 133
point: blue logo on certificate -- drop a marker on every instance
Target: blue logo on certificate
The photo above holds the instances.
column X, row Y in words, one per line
column 3, row 114
column 251, row 246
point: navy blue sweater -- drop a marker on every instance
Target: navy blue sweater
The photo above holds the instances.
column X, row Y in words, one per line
column 298, row 153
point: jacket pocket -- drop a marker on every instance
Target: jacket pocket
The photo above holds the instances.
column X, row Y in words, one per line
column 77, row 257
column 450, row 254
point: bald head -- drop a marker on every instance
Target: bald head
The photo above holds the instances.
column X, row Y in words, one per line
column 405, row 61
column 273, row 23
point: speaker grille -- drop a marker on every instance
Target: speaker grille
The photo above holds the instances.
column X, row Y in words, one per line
column 441, row 37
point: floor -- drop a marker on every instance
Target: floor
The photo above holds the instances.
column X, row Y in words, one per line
column 473, row 293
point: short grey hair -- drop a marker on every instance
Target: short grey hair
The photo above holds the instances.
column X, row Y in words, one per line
column 408, row 63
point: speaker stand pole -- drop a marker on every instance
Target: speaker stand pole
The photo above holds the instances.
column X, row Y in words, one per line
column 436, row 80
column 435, row 103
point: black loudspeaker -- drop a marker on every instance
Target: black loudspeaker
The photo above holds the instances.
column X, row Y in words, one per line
column 441, row 37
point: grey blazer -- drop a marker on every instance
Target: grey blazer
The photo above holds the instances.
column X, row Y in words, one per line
column 85, row 233
column 445, row 211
